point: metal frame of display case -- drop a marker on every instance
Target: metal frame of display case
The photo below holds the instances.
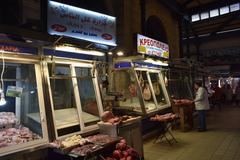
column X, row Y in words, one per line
column 199, row 73
column 35, row 60
column 188, row 85
column 155, row 69
column 182, row 68
column 165, row 93
column 74, row 63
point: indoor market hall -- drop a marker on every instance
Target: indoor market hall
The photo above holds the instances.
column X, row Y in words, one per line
column 221, row 141
column 120, row 80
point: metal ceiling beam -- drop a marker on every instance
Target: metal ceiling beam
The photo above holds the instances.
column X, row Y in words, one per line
column 185, row 3
column 174, row 6
column 216, row 36
column 199, row 2
column 234, row 16
column 213, row 26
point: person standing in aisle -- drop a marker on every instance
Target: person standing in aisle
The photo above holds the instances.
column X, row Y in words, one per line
column 217, row 96
column 201, row 105
column 237, row 93
column 229, row 94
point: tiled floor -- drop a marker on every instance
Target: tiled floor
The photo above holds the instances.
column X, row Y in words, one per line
column 220, row 142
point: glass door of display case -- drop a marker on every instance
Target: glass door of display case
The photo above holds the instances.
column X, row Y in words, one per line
column 144, row 90
column 154, row 91
column 159, row 89
column 125, row 82
column 22, row 111
column 146, row 86
column 75, row 97
column 89, row 96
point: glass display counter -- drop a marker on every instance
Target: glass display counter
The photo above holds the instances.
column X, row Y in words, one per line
column 74, row 96
column 143, row 88
column 22, row 112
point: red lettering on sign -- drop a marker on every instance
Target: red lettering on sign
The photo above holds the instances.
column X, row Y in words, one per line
column 9, row 48
column 59, row 28
column 107, row 36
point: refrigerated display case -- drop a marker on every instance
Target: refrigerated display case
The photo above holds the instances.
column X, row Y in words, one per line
column 74, row 95
column 141, row 85
column 22, row 112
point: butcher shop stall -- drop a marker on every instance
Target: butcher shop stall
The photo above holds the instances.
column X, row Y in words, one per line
column 141, row 85
column 140, row 78
column 180, row 87
column 22, row 112
column 74, row 95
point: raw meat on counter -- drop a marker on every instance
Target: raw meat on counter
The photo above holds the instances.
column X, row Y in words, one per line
column 8, row 118
column 12, row 136
column 182, row 102
column 165, row 117
column 85, row 149
column 101, row 139
column 108, row 117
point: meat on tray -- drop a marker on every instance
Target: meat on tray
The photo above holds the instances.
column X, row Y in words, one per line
column 85, row 149
column 182, row 102
column 8, row 118
column 108, row 117
column 165, row 117
column 69, row 142
column 12, row 136
column 101, row 138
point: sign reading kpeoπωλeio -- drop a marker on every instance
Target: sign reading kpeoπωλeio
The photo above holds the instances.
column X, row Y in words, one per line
column 152, row 47
column 70, row 21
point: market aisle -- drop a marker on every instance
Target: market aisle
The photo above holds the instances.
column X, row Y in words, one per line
column 220, row 142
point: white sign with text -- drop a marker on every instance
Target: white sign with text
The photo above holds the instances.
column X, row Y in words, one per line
column 70, row 21
column 152, row 47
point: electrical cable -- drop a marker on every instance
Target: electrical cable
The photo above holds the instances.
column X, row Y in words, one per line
column 3, row 69
column 2, row 96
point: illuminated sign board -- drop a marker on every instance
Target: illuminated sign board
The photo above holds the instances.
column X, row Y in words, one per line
column 70, row 21
column 152, row 47
column 12, row 48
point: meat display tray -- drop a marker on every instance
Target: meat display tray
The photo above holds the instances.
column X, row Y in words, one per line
column 66, row 150
column 93, row 152
column 101, row 148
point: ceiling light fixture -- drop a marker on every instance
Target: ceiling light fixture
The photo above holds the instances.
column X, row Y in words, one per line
column 28, row 41
column 120, row 53
column 156, row 62
column 78, row 50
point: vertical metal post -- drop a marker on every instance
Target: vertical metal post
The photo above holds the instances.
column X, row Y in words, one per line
column 143, row 16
